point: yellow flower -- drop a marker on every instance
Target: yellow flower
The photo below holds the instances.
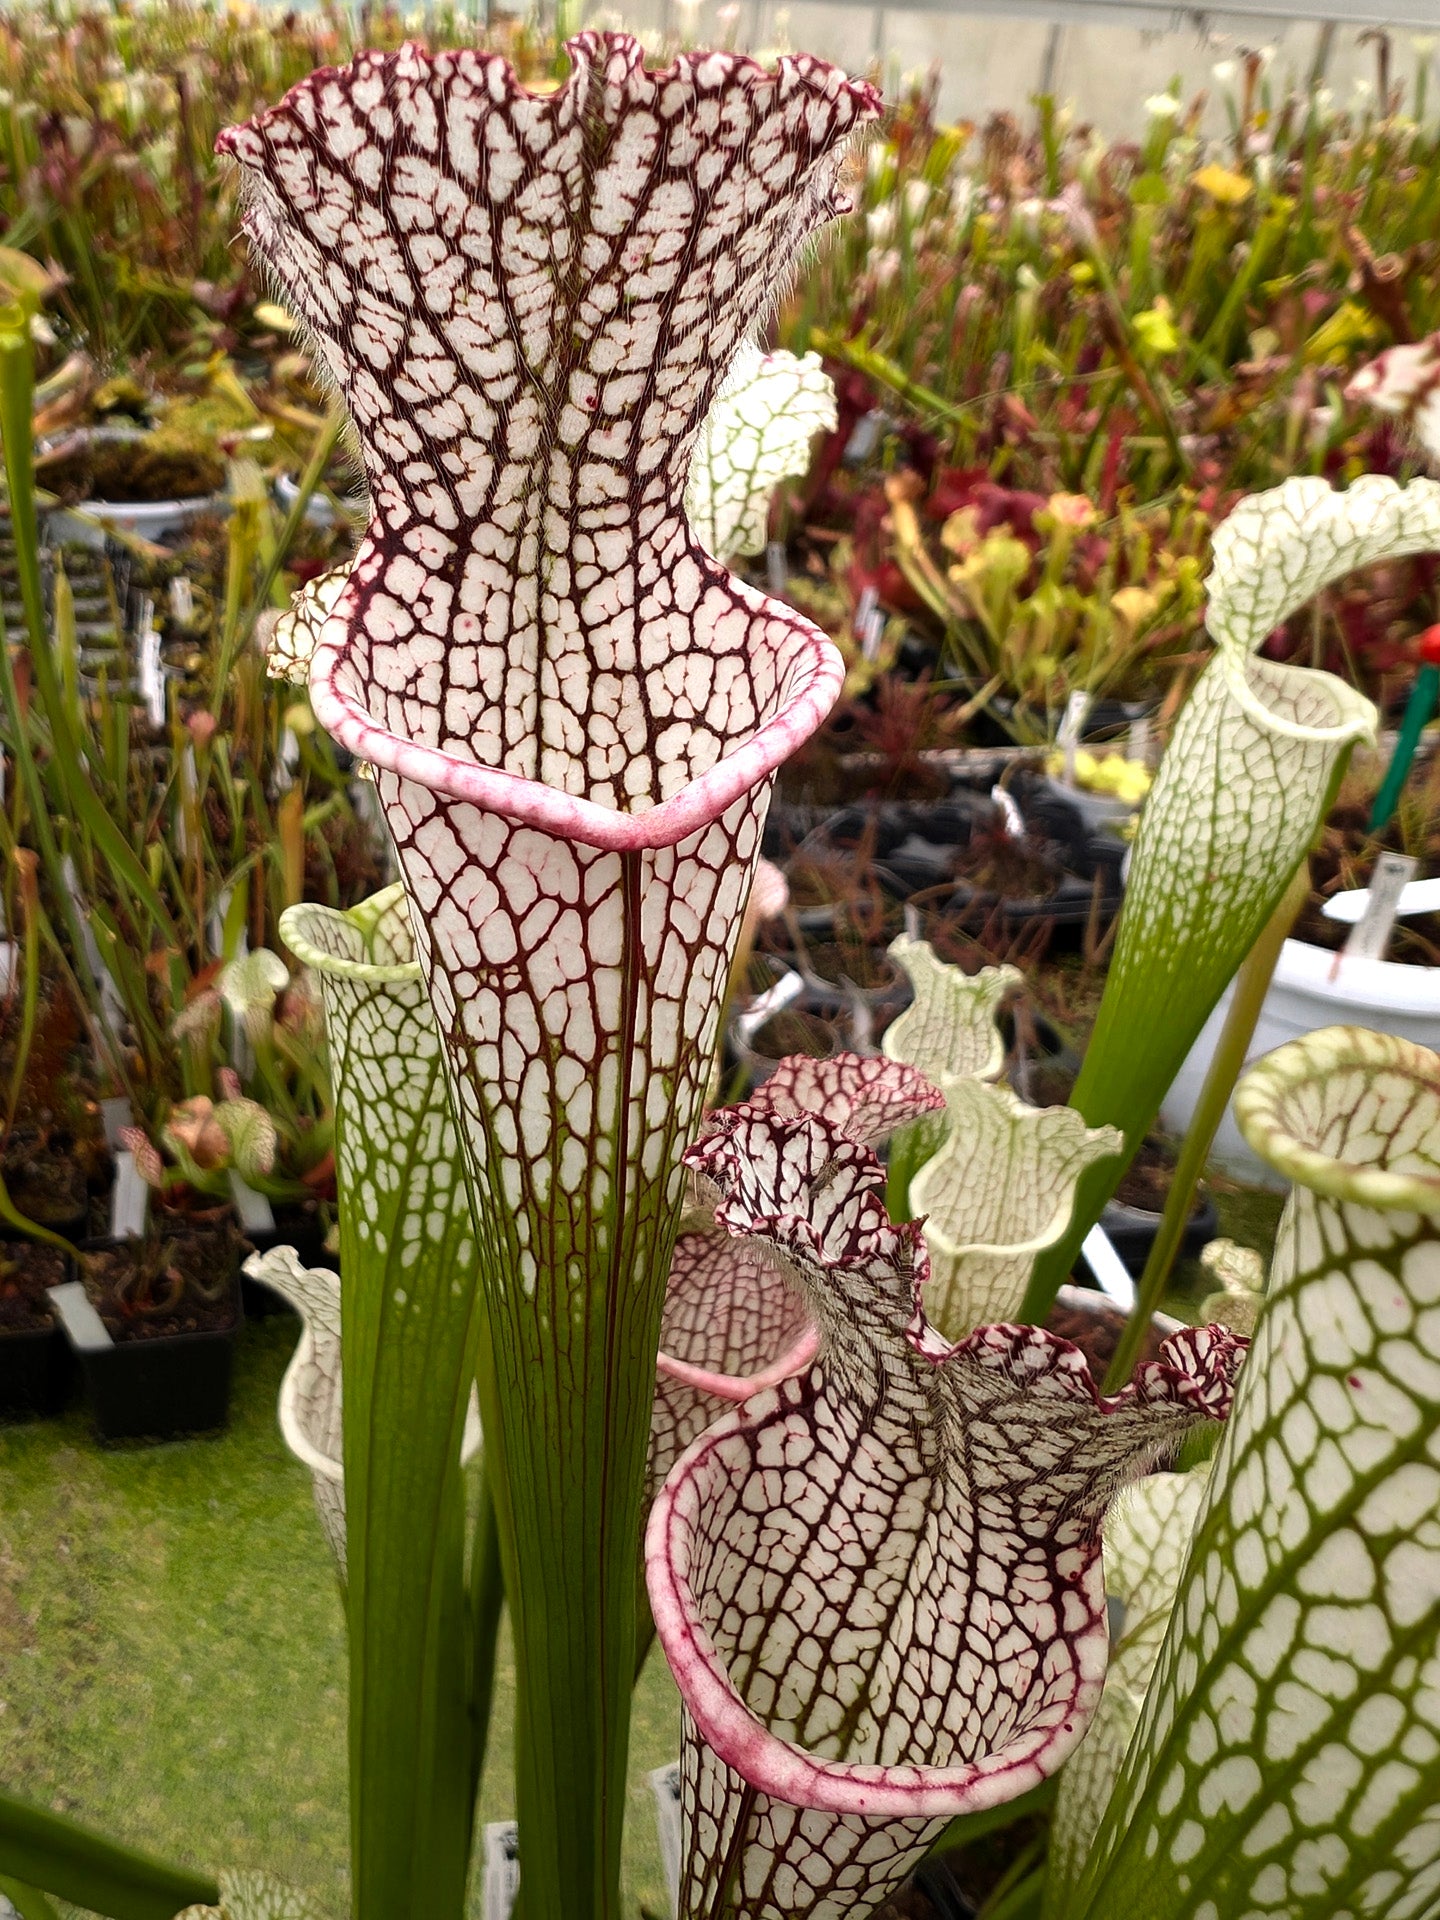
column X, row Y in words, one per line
column 1229, row 189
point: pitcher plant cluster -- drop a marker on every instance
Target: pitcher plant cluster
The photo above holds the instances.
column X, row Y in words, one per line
column 741, row 1382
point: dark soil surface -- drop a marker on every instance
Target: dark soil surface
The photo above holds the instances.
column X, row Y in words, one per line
column 1147, row 1180
column 862, row 966
column 1096, row 1331
column 149, row 467
column 1008, row 868
column 792, row 1032
column 45, row 1183
column 179, row 1279
column 26, row 1272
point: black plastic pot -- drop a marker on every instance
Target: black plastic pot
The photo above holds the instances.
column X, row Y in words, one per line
column 1132, row 1231
column 158, row 1387
column 36, row 1373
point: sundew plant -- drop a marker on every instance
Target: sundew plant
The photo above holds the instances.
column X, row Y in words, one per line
column 739, row 1381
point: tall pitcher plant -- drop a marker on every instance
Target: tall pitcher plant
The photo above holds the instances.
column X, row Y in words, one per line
column 574, row 716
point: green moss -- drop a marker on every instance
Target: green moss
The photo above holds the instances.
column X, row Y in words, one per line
column 172, row 1659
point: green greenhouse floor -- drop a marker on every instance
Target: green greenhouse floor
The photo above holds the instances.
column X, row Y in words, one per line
column 172, row 1662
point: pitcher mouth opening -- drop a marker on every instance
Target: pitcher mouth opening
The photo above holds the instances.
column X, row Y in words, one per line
column 569, row 816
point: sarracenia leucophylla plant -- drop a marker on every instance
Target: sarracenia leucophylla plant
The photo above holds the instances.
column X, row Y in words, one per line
column 410, row 1330
column 574, row 715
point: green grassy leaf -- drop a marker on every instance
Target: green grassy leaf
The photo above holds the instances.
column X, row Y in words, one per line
column 45, row 1850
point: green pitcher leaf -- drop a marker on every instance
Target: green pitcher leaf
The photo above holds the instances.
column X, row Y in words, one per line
column 1254, row 757
column 1287, row 1759
column 949, row 1027
column 1000, row 1190
column 758, row 433
column 410, row 1331
column 1147, row 1534
column 948, row 1031
column 528, row 303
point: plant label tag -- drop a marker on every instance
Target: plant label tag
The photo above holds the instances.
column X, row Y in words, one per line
column 130, row 1199
column 9, row 961
column 665, row 1785
column 775, row 999
column 84, row 1328
column 502, row 1868
column 1012, row 821
column 115, row 1113
column 1077, row 711
column 1371, row 933
column 867, row 604
column 1112, row 1276
column 873, row 636
column 286, row 761
column 777, row 573
column 189, row 802
column 255, row 1212
column 112, row 1006
column 1139, row 748
column 182, row 601
column 152, row 673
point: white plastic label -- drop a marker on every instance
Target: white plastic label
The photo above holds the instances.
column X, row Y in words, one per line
column 775, row 999
column 255, row 1212
column 665, row 1785
column 152, row 673
column 1371, row 933
column 502, row 1868
column 1077, row 709
column 777, row 573
column 129, row 1199
column 1112, row 1276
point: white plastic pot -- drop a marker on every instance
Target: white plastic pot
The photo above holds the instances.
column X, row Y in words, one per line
column 1311, row 988
column 87, row 524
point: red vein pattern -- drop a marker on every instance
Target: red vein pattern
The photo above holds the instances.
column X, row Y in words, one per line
column 734, row 1322
column 879, row 1585
column 527, row 303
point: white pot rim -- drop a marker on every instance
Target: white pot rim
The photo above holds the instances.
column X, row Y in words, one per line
column 1337, row 981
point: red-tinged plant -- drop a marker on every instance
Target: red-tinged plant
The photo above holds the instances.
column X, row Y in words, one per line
column 879, row 1585
column 528, row 303
column 733, row 1325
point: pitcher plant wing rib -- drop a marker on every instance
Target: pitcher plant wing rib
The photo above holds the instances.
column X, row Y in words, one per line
column 528, row 303
column 879, row 1585
column 1286, row 1751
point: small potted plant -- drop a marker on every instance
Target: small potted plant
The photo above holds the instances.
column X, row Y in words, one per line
column 157, row 1342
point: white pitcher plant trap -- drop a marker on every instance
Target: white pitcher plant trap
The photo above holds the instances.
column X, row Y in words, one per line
column 877, row 1554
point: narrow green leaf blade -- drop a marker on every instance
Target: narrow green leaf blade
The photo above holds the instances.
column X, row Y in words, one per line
column 47, row 1850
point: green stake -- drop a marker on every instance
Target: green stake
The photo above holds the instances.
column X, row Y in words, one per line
column 1424, row 697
